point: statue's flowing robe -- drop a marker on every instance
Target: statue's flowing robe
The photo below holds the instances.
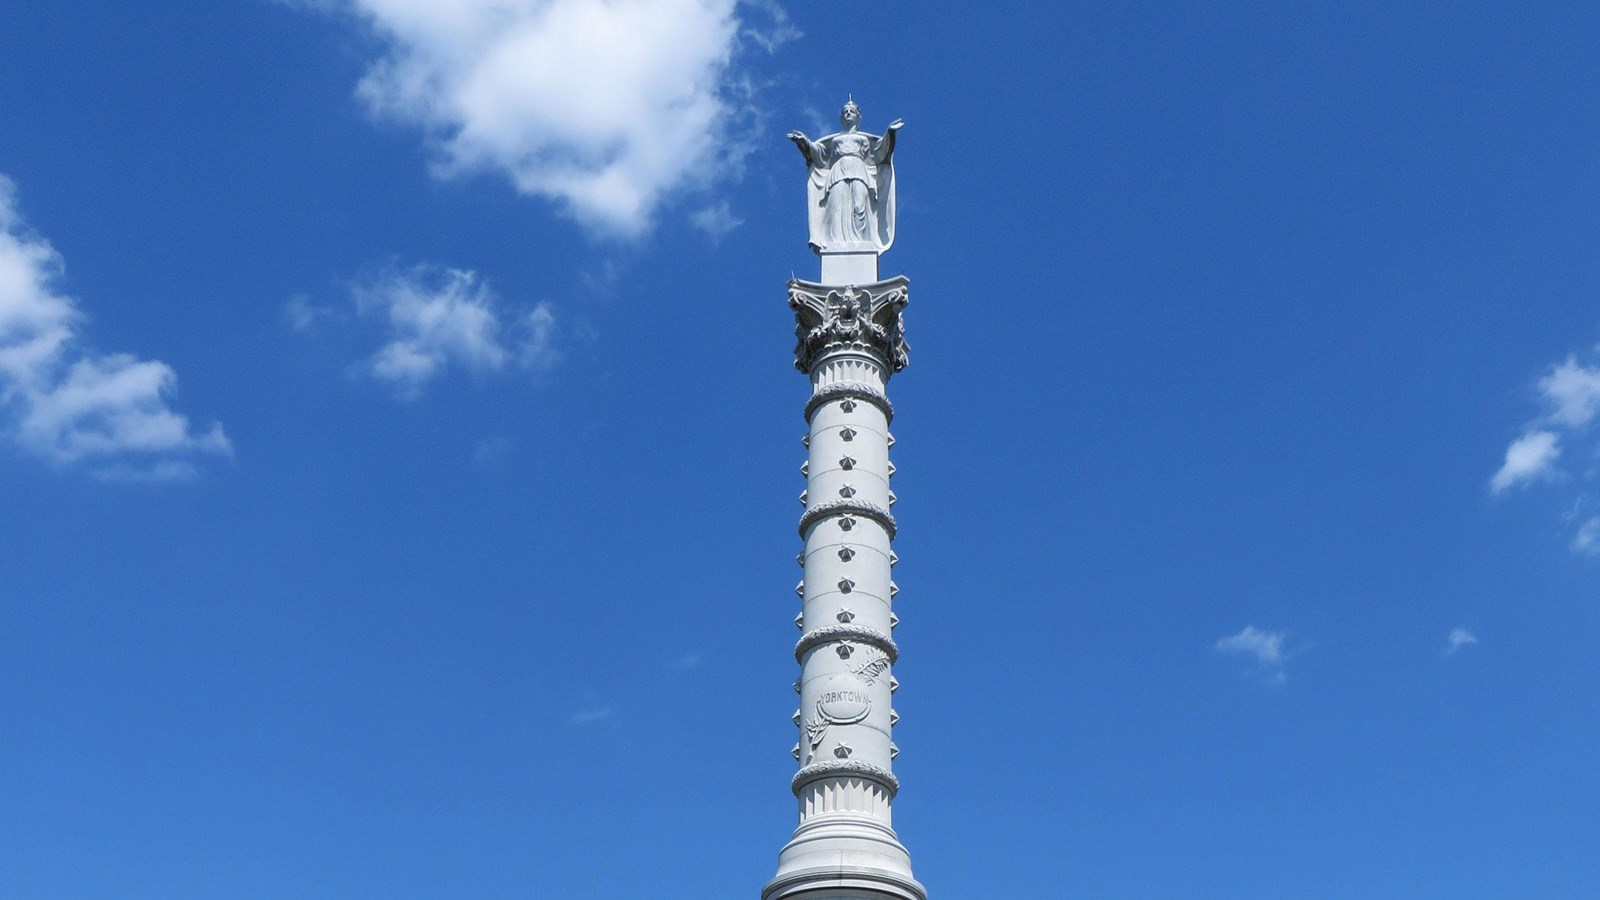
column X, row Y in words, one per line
column 836, row 160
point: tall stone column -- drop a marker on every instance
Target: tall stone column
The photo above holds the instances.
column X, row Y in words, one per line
column 851, row 340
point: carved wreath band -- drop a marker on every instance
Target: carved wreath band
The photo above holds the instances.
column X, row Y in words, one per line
column 845, row 768
column 865, row 510
column 855, row 389
column 858, row 633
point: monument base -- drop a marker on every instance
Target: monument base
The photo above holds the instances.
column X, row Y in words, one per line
column 846, row 267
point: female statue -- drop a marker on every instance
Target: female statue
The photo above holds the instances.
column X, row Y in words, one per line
column 851, row 189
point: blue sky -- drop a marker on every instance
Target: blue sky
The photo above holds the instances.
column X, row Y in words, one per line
column 399, row 445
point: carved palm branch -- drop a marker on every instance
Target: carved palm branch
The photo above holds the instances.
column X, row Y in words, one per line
column 872, row 669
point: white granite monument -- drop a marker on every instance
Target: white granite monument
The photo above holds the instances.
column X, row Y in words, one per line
column 851, row 340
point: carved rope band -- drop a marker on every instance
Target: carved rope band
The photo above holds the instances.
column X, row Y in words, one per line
column 859, row 633
column 863, row 392
column 848, row 507
column 844, row 768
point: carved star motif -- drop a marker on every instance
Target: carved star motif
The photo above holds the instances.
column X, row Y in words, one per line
column 846, row 463
column 846, row 585
column 846, row 554
column 846, row 492
column 842, row 751
column 844, row 651
column 845, row 615
column 847, row 405
column 847, row 433
column 846, row 523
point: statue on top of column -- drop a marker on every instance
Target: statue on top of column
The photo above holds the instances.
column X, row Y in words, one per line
column 850, row 194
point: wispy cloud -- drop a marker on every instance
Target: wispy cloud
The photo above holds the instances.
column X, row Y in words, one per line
column 1569, row 391
column 1586, row 541
column 68, row 404
column 1265, row 647
column 1459, row 637
column 302, row 314
column 590, row 716
column 604, row 106
column 437, row 319
column 777, row 32
column 491, row 450
column 716, row 220
column 691, row 661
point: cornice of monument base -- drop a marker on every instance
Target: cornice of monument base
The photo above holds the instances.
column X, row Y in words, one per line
column 843, row 883
column 838, row 885
column 863, row 318
column 860, row 859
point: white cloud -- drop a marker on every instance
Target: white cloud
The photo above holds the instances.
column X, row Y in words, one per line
column 1459, row 637
column 1561, row 445
column 1573, row 393
column 438, row 318
column 1265, row 646
column 603, row 106
column 1529, row 457
column 67, row 404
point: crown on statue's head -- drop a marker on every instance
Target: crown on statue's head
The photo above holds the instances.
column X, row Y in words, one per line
column 850, row 105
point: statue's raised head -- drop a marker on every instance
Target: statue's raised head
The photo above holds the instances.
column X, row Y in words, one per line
column 850, row 114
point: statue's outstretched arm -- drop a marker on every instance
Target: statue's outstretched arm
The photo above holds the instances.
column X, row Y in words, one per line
column 885, row 147
column 808, row 148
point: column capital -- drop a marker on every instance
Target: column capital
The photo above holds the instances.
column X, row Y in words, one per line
column 864, row 318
